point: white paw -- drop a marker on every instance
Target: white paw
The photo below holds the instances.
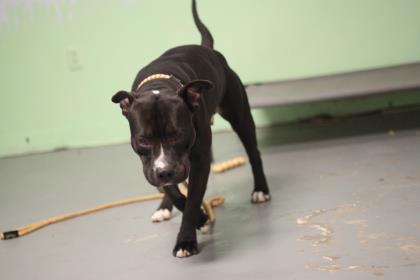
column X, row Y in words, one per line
column 205, row 229
column 259, row 197
column 182, row 253
column 161, row 215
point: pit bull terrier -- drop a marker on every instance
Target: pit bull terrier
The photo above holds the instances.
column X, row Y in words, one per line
column 169, row 110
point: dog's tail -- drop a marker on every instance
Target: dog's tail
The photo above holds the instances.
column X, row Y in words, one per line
column 206, row 38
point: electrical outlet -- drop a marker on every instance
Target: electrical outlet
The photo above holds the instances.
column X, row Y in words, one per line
column 73, row 59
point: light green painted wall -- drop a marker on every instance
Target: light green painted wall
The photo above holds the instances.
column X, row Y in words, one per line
column 49, row 101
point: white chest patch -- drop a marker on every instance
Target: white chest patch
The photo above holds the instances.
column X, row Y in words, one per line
column 155, row 91
column 160, row 162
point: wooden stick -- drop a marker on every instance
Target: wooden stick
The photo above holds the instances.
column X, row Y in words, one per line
column 214, row 202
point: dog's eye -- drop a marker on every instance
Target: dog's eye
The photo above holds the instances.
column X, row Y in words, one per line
column 172, row 138
column 144, row 142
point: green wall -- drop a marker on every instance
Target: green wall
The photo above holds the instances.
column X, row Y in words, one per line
column 61, row 61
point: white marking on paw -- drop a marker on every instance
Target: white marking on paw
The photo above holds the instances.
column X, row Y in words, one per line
column 155, row 91
column 182, row 253
column 161, row 215
column 205, row 229
column 160, row 162
column 259, row 197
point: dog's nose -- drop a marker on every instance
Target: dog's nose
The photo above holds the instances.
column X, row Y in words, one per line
column 165, row 174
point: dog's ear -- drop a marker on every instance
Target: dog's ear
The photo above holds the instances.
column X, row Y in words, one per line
column 125, row 99
column 192, row 91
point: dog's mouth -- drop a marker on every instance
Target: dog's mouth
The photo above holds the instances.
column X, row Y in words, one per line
column 180, row 174
column 166, row 184
column 172, row 183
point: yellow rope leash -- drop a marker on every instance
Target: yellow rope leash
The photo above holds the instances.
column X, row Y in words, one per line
column 53, row 220
column 208, row 205
column 228, row 165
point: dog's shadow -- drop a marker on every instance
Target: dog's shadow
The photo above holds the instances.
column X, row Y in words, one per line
column 240, row 227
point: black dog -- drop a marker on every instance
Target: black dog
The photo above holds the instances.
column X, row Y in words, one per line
column 169, row 110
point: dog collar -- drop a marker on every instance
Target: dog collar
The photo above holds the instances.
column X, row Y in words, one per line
column 159, row 76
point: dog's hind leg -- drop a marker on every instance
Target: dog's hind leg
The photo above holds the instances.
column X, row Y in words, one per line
column 236, row 110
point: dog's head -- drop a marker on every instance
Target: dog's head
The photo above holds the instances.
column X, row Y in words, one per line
column 162, row 129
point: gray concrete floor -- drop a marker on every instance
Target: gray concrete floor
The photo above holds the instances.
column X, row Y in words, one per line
column 346, row 204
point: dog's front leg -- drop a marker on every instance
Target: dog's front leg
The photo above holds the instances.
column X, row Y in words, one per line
column 186, row 244
column 179, row 200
